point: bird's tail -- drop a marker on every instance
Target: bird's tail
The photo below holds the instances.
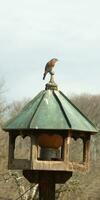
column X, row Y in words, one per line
column 44, row 75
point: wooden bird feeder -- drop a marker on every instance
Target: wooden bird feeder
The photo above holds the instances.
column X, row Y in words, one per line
column 52, row 122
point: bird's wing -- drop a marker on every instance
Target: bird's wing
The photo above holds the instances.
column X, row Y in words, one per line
column 47, row 67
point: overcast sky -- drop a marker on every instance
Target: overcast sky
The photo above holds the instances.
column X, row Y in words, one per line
column 34, row 31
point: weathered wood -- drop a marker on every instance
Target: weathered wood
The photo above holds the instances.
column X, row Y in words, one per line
column 62, row 164
column 66, row 147
column 46, row 186
column 47, row 181
column 34, row 150
column 86, row 150
column 58, row 176
column 11, row 149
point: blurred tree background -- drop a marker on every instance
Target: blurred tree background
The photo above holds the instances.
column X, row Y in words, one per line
column 81, row 186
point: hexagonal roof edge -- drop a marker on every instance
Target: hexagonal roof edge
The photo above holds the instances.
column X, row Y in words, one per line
column 50, row 109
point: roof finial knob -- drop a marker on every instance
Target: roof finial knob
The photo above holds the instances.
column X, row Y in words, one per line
column 51, row 85
column 52, row 77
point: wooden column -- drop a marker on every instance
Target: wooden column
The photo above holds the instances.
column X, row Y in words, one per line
column 67, row 147
column 46, row 186
column 86, row 150
column 11, row 149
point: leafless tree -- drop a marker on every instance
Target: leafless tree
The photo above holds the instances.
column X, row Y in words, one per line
column 3, row 105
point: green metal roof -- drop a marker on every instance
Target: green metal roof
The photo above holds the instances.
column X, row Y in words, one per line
column 50, row 109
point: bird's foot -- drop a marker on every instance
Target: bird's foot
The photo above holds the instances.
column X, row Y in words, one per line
column 52, row 73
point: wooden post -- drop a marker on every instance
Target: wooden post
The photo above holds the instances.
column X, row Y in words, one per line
column 11, row 149
column 46, row 186
column 86, row 150
column 66, row 147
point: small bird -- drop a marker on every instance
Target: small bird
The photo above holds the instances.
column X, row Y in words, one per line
column 49, row 66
